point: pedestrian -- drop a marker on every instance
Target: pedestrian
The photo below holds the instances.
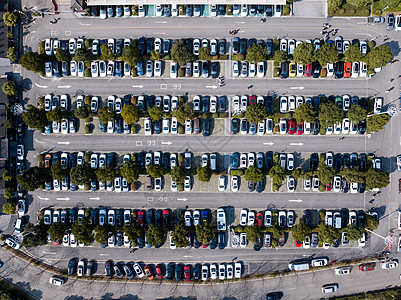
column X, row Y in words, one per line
column 341, row 139
column 391, row 80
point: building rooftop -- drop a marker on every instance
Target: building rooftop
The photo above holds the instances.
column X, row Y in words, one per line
column 181, row 2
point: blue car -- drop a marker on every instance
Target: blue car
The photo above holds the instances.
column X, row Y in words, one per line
column 119, row 69
column 252, row 129
column 204, row 216
column 235, row 161
column 102, row 128
column 48, row 128
column 139, row 68
column 118, row 126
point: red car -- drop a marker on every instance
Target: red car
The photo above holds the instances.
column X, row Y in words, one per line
column 140, row 218
column 259, row 219
column 291, row 126
column 166, row 216
column 298, row 243
column 56, row 242
column 347, row 69
column 329, row 186
column 187, row 272
column 251, row 100
column 300, row 128
column 308, row 70
column 159, row 272
column 367, row 267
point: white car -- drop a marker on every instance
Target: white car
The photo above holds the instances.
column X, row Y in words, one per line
column 354, row 187
column 300, row 70
column 290, row 162
column 243, row 240
column 158, row 68
column 315, row 184
column 389, row 264
column 355, row 69
column 243, row 217
column 261, row 69
column 196, row 217
column 251, row 218
column 345, row 126
column 213, row 271
column 48, row 47
column 188, row 127
column 378, row 105
column 307, row 128
column 235, row 69
column 187, row 184
column 290, row 184
column 268, row 218
column 261, row 128
column 237, row 270
column 252, row 70
column 291, row 103
column 205, row 272
column 222, row 183
column 283, row 126
column 234, row 183
column 336, row 184
column 138, row 270
column 173, row 69
column 319, row 262
column 174, row 125
column 172, row 245
column 244, row 103
column 362, row 240
column 307, row 184
column 283, row 104
column 148, row 126
column 342, row 271
column 306, row 243
column 222, row 272
column 73, row 241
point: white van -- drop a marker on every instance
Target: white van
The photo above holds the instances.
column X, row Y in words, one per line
column 18, row 226
column 298, row 266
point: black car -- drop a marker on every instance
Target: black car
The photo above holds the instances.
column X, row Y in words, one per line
column 170, row 271
column 234, row 126
column 149, row 102
column 156, row 127
column 259, row 186
column 214, row 69
column 361, row 187
column 362, row 162
column 149, row 45
column 119, row 239
column 316, row 128
column 205, row 104
column 251, row 42
column 363, row 103
column 314, row 161
column 221, row 10
column 21, row 129
column 212, row 244
column 197, row 271
column 149, row 216
column 337, row 162
column 102, row 127
column 141, row 45
column 316, row 69
column 221, row 240
column 206, row 127
column 344, row 186
column 55, row 158
column 362, row 127
column 258, row 244
column 140, row 242
column 165, row 161
column 197, row 244
column 354, row 160
column 56, row 69
column 235, row 46
column 72, row 160
column 269, row 46
column 339, row 70
column 72, row 214
column 205, row 69
column 243, row 45
column 94, row 216
column 93, row 184
column 110, row 159
column 260, row 9
column 251, row 186
column 346, row 160
column 316, row 103
column 361, row 218
column 269, row 160
column 140, row 160
column 178, row 272
column 158, row 216
column 119, row 217
column 71, row 267
column 284, row 70
column 222, row 104
column 269, row 11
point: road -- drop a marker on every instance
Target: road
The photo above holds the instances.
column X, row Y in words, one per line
column 385, row 144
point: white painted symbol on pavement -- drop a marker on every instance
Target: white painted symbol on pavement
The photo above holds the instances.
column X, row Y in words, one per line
column 138, row 143
column 296, row 144
column 40, row 141
column 43, row 198
column 269, row 143
column 64, row 86
column 67, row 32
column 54, row 33
column 211, row 86
column 97, row 198
column 177, row 86
column 138, row 86
column 162, row 199
column 296, row 88
column 63, row 199
column 64, row 143
column 182, row 199
column 297, row 200
column 151, row 143
column 149, row 198
column 167, row 143
column 41, row 86
column 163, row 86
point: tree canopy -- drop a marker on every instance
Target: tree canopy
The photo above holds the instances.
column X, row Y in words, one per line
column 356, row 113
column 359, row 3
column 304, row 53
column 155, row 113
column 34, row 117
column 81, row 112
column 130, row 113
column 155, row 234
column 325, row 173
column 10, row 18
column 184, row 112
column 327, row 53
column 330, row 113
column 107, row 52
column 33, row 61
column 353, row 53
column 180, row 52
column 205, row 232
column 80, row 175
column 376, row 123
column 253, row 174
column 32, row 178
column 131, row 54
column 280, row 56
column 376, row 179
column 256, row 113
column 154, row 170
column 179, row 236
column 204, row 174
column 130, row 171
column 256, row 53
column 58, row 172
column 108, row 173
column 304, row 113
column 83, row 54
column 9, row 88
column 378, row 56
column 106, row 114
column 178, row 174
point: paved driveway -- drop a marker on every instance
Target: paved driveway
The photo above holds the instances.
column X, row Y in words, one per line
column 310, row 8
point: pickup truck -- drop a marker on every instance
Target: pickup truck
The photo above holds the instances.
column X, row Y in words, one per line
column 375, row 20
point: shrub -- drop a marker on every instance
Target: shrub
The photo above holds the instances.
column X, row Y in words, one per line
column 87, row 128
column 321, row 188
column 87, row 100
column 323, row 73
column 351, row 11
column 41, row 47
column 341, row 11
column 229, row 10
column 180, row 129
column 239, row 172
column 9, row 208
column 378, row 12
column 275, row 187
column 167, row 57
column 87, row 72
column 134, row 10
column 365, row 12
column 215, row 115
column 134, row 129
column 276, row 72
column 88, row 43
column 286, row 10
column 275, row 63
column 134, row 72
column 180, row 187
column 181, row 72
column 181, row 10
column 222, row 115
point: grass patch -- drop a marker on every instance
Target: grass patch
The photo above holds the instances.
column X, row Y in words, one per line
column 347, row 10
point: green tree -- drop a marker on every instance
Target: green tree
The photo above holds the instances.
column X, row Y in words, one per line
column 392, row 4
column 178, row 174
column 376, row 123
column 353, row 53
column 130, row 171
column 330, row 113
column 253, row 233
column 34, row 117
column 80, row 175
column 300, row 230
column 204, row 173
column 359, row 3
column 256, row 53
column 155, row 55
column 133, row 232
column 356, row 114
column 256, row 113
column 304, row 113
column 155, row 234
column 10, row 18
column 131, row 54
column 327, row 53
column 325, row 173
column 304, row 53
column 334, row 4
column 180, row 52
column 155, row 113
column 376, row 179
column 130, row 113
column 9, row 124
column 354, row 232
column 353, row 175
column 37, row 236
column 57, row 171
column 57, row 114
column 57, row 231
column 6, row 175
column 184, row 112
column 12, row 54
column 107, row 52
column 81, row 112
column 328, row 234
column 82, row 54
column 33, row 61
column 106, row 114
column 102, row 233
column 9, row 88
column 32, row 178
column 62, row 55
column 280, row 56
column 179, row 236
column 205, row 232
column 378, row 56
column 108, row 173
column 9, row 193
column 154, row 170
column 277, row 173
column 253, row 174
column 204, row 53
column 83, row 232
column 9, row 208
column 371, row 222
